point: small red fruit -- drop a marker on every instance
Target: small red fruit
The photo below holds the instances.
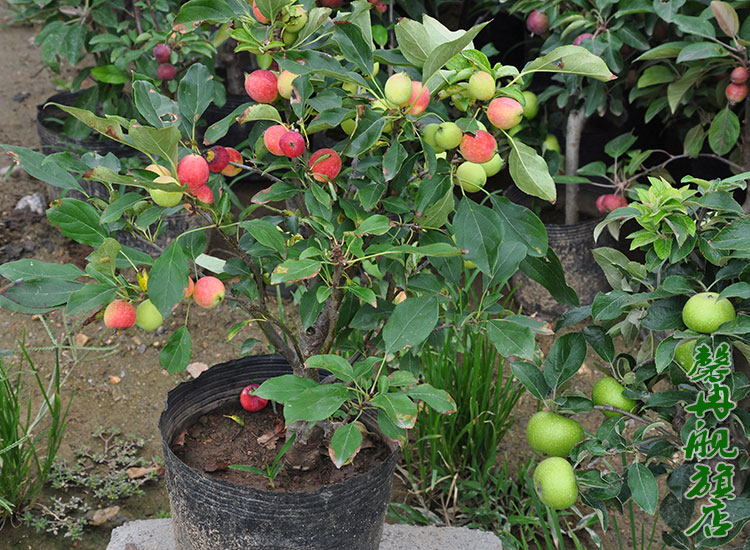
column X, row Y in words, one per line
column 504, row 112
column 217, row 158
column 537, row 22
column 479, row 148
column 262, row 19
column 234, row 156
column 119, row 314
column 325, row 169
column 381, row 7
column 420, row 98
column 292, row 144
column 261, row 86
column 335, row 4
column 581, row 37
column 166, row 71
column 203, row 194
column 739, row 75
column 192, row 170
column 607, row 203
column 208, row 292
column 736, row 92
column 251, row 402
column 272, row 138
column 161, row 53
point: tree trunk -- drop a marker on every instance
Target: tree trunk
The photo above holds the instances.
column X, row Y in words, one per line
column 573, row 131
column 745, row 150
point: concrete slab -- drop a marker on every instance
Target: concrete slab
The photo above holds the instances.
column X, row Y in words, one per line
column 156, row 534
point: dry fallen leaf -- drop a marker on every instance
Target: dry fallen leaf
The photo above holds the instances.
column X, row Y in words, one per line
column 81, row 339
column 269, row 439
column 135, row 473
column 195, row 369
column 114, row 380
column 180, row 439
column 103, row 515
column 215, row 466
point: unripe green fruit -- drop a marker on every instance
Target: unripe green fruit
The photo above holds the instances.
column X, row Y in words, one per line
column 165, row 199
column 398, row 89
column 297, row 20
column 470, row 176
column 147, row 316
column 553, row 434
column 428, row 134
column 264, row 60
column 481, row 86
column 493, row 166
column 288, row 37
column 550, row 143
column 448, row 135
column 608, row 391
column 555, row 483
column 683, row 354
column 704, row 313
column 531, row 108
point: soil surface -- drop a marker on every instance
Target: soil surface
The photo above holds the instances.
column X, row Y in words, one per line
column 115, row 378
column 218, row 440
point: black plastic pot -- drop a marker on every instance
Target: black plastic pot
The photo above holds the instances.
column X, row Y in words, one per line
column 573, row 244
column 211, row 514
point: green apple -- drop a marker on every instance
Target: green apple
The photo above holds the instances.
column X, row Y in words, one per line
column 531, row 108
column 481, row 86
column 470, row 176
column 398, row 89
column 428, row 134
column 448, row 135
column 147, row 316
column 683, row 354
column 550, row 143
column 166, row 199
column 297, row 19
column 608, row 391
column 555, row 483
column 553, row 434
column 493, row 166
column 705, row 313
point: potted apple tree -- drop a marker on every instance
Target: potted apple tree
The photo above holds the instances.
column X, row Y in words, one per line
column 368, row 233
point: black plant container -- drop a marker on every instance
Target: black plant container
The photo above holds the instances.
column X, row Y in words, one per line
column 212, row 514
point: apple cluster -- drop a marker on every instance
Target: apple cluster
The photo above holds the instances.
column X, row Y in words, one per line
column 165, row 70
column 736, row 91
column 207, row 292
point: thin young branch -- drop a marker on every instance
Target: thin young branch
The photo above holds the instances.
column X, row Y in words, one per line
column 153, row 15
column 659, row 429
column 137, row 17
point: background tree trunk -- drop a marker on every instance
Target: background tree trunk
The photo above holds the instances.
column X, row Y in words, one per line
column 573, row 131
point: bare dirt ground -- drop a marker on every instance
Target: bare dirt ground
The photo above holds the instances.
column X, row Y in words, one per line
column 122, row 386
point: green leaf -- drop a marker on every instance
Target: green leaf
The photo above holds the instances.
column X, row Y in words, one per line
column 368, row 132
column 530, row 172
column 108, row 126
column 176, row 354
column 600, row 341
column 726, row 17
column 335, row 364
column 195, row 93
column 158, row 110
column 511, row 339
column 295, row 270
column 168, row 278
column 444, row 52
column 610, row 305
column 316, row 403
column 439, row 400
column 619, row 145
column 156, row 141
column 571, row 60
column 668, row 10
column 266, row 234
column 677, row 90
column 104, row 258
column 30, row 269
column 479, row 230
column 663, row 51
column 217, row 11
column 110, row 74
column 220, row 128
column 88, row 297
column 353, row 46
column 531, row 378
column 284, row 388
column 701, row 50
column 258, row 111
column 564, row 359
column 736, row 290
column 376, row 224
column 400, row 409
column 734, row 236
column 42, row 168
column 656, row 74
column 643, row 487
column 345, row 444
column 37, row 296
column 79, row 221
column 411, row 323
column 522, row 225
column 548, row 272
column 115, row 210
column 724, row 132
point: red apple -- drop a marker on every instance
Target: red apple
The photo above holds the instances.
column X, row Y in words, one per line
column 272, row 138
column 119, row 314
column 537, row 22
column 261, row 86
column 736, row 92
column 607, row 203
column 739, row 75
column 420, row 98
column 161, row 53
column 234, row 156
column 166, row 71
column 192, row 170
column 208, row 292
column 292, row 144
column 217, row 158
column 479, row 148
column 327, row 168
column 251, row 402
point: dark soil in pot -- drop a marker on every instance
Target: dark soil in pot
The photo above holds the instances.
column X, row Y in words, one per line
column 215, row 441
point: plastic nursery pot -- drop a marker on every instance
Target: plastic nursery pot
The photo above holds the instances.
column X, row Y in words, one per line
column 210, row 514
column 573, row 244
